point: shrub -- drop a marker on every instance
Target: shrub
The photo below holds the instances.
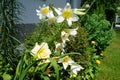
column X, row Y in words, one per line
column 98, row 29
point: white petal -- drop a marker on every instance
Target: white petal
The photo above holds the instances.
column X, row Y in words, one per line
column 75, row 68
column 60, row 61
column 79, row 9
column 80, row 13
column 37, row 11
column 60, row 19
column 65, row 65
column 75, row 18
column 44, row 45
column 50, row 14
column 58, row 11
column 69, row 21
column 73, row 32
column 44, row 5
column 35, row 49
column 68, row 6
column 41, row 16
column 70, row 61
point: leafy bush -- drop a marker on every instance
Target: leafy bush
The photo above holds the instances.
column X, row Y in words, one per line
column 98, row 29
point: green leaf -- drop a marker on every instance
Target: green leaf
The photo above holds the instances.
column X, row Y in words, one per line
column 24, row 72
column 45, row 77
column 19, row 69
column 56, row 67
column 6, row 77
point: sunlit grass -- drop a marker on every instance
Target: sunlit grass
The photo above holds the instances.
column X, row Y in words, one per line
column 110, row 66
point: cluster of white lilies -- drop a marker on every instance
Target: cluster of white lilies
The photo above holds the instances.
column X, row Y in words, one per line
column 70, row 15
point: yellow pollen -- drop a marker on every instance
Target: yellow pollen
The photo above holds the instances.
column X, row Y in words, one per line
column 45, row 11
column 65, row 59
column 67, row 14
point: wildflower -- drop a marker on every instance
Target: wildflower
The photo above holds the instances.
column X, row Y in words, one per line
column 65, row 61
column 79, row 11
column 98, row 61
column 93, row 42
column 67, row 14
column 74, row 75
column 41, row 51
column 59, row 47
column 64, row 36
column 72, row 32
column 43, row 12
column 87, row 6
column 51, row 17
column 75, row 68
column 101, row 54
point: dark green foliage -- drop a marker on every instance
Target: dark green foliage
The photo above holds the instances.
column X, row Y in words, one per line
column 79, row 43
column 8, row 17
column 98, row 29
column 45, row 33
column 106, row 7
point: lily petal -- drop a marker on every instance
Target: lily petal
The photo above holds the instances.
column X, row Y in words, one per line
column 60, row 19
column 69, row 21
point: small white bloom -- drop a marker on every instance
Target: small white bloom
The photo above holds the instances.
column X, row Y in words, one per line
column 75, row 68
column 79, row 11
column 67, row 14
column 58, row 47
column 51, row 17
column 41, row 51
column 87, row 6
column 43, row 12
column 64, row 36
column 65, row 61
column 72, row 32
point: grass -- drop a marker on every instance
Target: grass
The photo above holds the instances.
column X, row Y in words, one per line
column 110, row 66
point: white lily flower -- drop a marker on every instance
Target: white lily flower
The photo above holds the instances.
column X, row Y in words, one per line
column 43, row 12
column 67, row 14
column 64, row 36
column 65, row 61
column 59, row 47
column 72, row 32
column 41, row 51
column 75, row 68
column 79, row 11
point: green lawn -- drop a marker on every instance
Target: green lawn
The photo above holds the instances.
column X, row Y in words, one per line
column 110, row 66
